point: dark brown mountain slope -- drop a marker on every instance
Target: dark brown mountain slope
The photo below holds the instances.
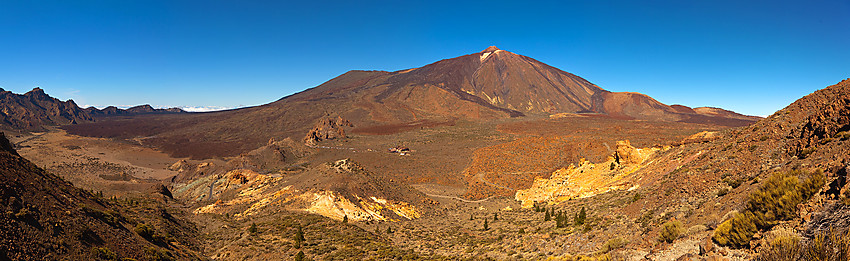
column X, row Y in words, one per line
column 487, row 85
column 47, row 218
column 35, row 109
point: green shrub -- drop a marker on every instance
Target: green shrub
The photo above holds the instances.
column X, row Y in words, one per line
column 733, row 182
column 636, row 197
column 782, row 248
column 299, row 237
column 805, row 153
column 103, row 253
column 829, row 245
column 580, row 217
column 736, row 231
column 670, row 231
column 722, row 192
column 774, row 201
column 252, row 229
column 154, row 254
column 613, row 244
column 148, row 233
column 778, row 197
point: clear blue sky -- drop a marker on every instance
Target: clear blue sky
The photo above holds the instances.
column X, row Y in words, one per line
column 753, row 57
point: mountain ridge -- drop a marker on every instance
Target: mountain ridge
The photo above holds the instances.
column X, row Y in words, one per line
column 34, row 110
column 489, row 85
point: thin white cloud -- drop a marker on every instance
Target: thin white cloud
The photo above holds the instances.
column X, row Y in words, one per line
column 204, row 108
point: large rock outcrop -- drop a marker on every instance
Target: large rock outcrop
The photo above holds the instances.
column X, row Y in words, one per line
column 327, row 129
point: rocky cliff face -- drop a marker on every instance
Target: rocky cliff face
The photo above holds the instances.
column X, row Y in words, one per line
column 35, row 109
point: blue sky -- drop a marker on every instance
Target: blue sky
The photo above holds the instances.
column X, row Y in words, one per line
column 754, row 57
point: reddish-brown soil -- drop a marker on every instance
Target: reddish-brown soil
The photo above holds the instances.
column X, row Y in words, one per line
column 547, row 144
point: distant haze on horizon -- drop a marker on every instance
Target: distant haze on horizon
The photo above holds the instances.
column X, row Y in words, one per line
column 752, row 57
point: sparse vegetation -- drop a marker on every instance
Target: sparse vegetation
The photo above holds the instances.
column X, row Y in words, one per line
column 774, row 201
column 722, row 191
column 613, row 244
column 804, row 153
column 252, row 229
column 103, row 253
column 829, row 245
column 670, row 231
column 150, row 234
column 580, row 217
column 299, row 237
column 636, row 197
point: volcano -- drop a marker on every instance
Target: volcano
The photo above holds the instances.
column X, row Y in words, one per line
column 487, row 85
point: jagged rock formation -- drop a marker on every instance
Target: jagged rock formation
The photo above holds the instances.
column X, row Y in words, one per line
column 626, row 154
column 327, row 129
column 35, row 109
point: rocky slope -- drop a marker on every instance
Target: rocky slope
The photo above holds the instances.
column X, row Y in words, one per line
column 709, row 177
column 47, row 218
column 274, row 178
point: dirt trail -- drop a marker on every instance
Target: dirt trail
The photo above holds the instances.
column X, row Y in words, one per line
column 460, row 199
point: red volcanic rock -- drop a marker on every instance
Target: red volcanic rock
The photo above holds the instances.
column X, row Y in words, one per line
column 327, row 129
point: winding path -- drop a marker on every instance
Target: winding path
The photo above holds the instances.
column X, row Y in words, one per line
column 460, row 199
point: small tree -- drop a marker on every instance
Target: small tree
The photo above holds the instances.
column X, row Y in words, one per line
column 486, row 227
column 580, row 217
column 558, row 218
column 299, row 256
column 389, row 230
column 299, row 238
column 253, row 228
column 495, row 216
column 345, row 219
column 547, row 217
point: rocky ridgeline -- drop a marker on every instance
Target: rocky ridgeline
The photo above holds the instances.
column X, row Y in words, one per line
column 35, row 109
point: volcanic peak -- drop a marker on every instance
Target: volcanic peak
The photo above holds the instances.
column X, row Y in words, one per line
column 492, row 48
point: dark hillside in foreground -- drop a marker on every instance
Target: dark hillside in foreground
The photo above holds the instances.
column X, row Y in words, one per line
column 47, row 218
